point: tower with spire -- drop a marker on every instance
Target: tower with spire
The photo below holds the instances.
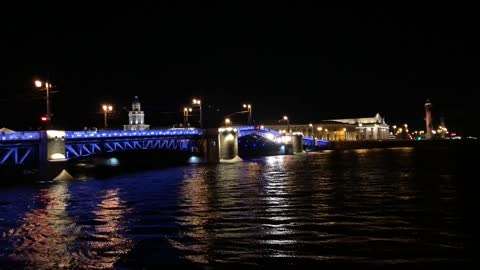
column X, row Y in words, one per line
column 136, row 117
column 428, row 119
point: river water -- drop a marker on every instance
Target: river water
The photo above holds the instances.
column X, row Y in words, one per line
column 394, row 207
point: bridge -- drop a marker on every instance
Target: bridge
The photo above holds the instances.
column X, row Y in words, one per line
column 48, row 150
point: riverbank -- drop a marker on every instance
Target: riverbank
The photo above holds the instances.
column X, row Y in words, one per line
column 346, row 145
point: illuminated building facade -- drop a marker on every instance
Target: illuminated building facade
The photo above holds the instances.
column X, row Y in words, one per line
column 136, row 117
column 352, row 129
column 368, row 128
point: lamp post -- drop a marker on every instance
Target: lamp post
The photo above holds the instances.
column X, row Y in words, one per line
column 197, row 102
column 249, row 110
column 48, row 85
column 186, row 110
column 320, row 129
column 106, row 109
column 311, row 126
column 227, row 122
column 285, row 118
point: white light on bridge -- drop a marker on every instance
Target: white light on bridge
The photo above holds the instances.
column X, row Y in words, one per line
column 270, row 136
column 194, row 159
column 114, row 162
column 57, row 157
column 286, row 139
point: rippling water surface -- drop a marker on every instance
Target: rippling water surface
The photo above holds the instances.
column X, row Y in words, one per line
column 366, row 207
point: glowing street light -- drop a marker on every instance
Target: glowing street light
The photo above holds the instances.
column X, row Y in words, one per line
column 48, row 86
column 198, row 103
column 186, row 114
column 321, row 134
column 249, row 110
column 311, row 126
column 285, row 118
column 106, row 109
column 227, row 122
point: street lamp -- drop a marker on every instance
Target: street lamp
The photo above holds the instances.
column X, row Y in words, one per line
column 320, row 129
column 227, row 122
column 285, row 118
column 186, row 110
column 249, row 110
column 197, row 102
column 311, row 126
column 48, row 85
column 106, row 109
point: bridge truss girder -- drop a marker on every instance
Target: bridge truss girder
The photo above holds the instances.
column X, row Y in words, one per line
column 17, row 154
column 84, row 148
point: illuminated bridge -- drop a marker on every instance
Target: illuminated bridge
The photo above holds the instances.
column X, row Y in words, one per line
column 82, row 144
column 49, row 148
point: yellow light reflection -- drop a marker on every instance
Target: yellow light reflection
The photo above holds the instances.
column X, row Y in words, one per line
column 108, row 233
column 45, row 235
column 277, row 189
column 194, row 196
column 48, row 238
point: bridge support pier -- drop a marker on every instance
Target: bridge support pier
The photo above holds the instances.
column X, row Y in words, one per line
column 208, row 147
column 51, row 156
column 297, row 143
column 228, row 145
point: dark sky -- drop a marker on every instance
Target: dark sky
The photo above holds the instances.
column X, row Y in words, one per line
column 308, row 63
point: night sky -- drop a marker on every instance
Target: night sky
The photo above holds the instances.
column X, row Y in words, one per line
column 307, row 63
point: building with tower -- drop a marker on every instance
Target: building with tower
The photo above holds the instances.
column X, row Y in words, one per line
column 136, row 117
column 350, row 129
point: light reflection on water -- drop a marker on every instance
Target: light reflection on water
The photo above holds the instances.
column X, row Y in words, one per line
column 362, row 206
column 49, row 237
column 107, row 241
column 197, row 213
column 44, row 235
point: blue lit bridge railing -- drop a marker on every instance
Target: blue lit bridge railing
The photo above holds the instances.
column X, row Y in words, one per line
column 85, row 143
column 18, row 147
column 270, row 134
